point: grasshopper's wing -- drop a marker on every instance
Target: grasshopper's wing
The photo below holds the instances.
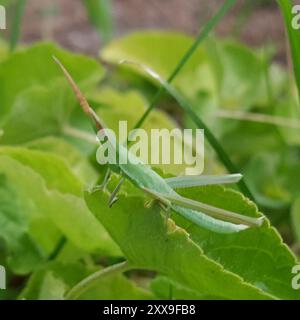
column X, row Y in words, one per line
column 196, row 181
column 214, row 212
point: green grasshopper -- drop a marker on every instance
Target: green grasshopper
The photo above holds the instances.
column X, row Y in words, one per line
column 162, row 190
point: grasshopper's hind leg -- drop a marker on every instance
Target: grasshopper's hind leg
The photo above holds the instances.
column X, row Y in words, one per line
column 164, row 204
column 197, row 181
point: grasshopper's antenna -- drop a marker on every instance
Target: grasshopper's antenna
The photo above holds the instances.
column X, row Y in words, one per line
column 80, row 97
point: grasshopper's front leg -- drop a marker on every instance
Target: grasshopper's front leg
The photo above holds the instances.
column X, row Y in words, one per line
column 113, row 198
column 104, row 183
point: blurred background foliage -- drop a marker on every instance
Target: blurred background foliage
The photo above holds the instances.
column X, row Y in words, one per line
column 239, row 81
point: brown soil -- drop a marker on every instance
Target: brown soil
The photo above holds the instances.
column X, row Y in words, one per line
column 65, row 21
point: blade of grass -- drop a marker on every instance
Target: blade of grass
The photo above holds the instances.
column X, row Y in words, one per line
column 186, row 106
column 16, row 25
column 100, row 15
column 91, row 280
column 293, row 35
column 210, row 136
column 259, row 118
column 202, row 35
column 58, row 248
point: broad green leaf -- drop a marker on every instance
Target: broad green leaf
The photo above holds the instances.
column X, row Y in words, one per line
column 54, row 171
column 49, row 202
column 165, row 288
column 54, row 279
column 149, row 243
column 226, row 69
column 159, row 50
column 258, row 255
column 35, row 66
column 237, row 70
column 37, row 112
column 75, row 159
column 40, row 102
column 24, row 252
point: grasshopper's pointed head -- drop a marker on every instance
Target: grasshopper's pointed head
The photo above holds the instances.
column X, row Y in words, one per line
column 80, row 97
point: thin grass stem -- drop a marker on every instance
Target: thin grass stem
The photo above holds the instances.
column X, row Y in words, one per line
column 91, row 280
column 17, row 23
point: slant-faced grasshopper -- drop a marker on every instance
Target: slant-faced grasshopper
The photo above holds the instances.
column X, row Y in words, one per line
column 162, row 190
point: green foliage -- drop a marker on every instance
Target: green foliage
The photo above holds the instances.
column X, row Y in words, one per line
column 47, row 161
column 293, row 36
column 296, row 218
column 100, row 14
column 153, row 49
column 207, row 263
column 53, row 206
column 17, row 23
column 218, row 67
column 130, row 106
column 18, row 74
column 52, row 281
column 221, row 76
